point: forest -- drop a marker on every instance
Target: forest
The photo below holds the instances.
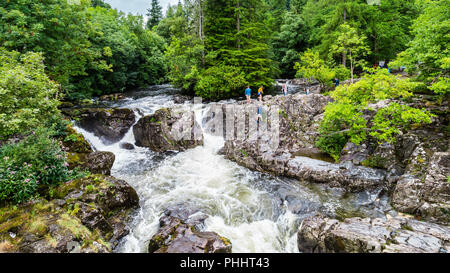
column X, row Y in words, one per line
column 55, row 53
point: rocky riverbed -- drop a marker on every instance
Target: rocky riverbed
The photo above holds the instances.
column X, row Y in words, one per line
column 210, row 193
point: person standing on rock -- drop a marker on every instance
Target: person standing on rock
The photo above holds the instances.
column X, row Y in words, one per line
column 248, row 93
column 284, row 89
column 259, row 112
column 260, row 92
column 337, row 81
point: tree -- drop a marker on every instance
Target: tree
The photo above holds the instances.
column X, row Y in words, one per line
column 154, row 14
column 59, row 29
column 387, row 27
column 239, row 41
column 344, row 118
column 233, row 36
column 291, row 39
column 352, row 45
column 29, row 97
column 428, row 52
column 314, row 68
column 174, row 25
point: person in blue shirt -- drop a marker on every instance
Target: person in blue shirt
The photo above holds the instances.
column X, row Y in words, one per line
column 248, row 93
column 259, row 111
column 337, row 82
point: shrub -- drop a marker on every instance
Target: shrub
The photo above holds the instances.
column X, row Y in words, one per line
column 344, row 120
column 389, row 121
column 314, row 68
column 341, row 123
column 342, row 72
column 17, row 183
column 220, row 82
column 36, row 162
column 28, row 96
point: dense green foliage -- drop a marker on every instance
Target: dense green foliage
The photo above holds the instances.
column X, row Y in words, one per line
column 29, row 100
column 429, row 51
column 210, row 37
column 84, row 44
column 28, row 96
column 54, row 49
column 344, row 120
column 312, row 67
column 263, row 38
column 35, row 163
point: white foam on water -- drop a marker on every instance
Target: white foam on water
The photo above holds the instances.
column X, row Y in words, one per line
column 204, row 180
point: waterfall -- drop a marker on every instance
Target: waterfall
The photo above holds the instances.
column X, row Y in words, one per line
column 201, row 179
column 247, row 207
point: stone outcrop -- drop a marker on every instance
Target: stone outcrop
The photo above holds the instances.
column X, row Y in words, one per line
column 85, row 215
column 126, row 146
column 80, row 154
column 417, row 163
column 113, row 97
column 179, row 233
column 427, row 197
column 168, row 130
column 319, row 234
column 95, row 162
column 110, row 125
column 296, row 155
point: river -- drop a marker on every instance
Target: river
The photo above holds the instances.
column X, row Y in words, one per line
column 255, row 211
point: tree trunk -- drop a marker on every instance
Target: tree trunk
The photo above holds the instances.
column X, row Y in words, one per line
column 344, row 54
column 351, row 65
column 200, row 29
column 238, row 25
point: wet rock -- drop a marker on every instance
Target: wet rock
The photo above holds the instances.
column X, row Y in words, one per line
column 95, row 162
column 348, row 176
column 319, row 234
column 354, row 153
column 296, row 155
column 113, row 97
column 87, row 215
column 80, row 154
column 100, row 162
column 168, row 129
column 126, row 146
column 189, row 215
column 110, row 125
column 175, row 236
column 427, row 197
column 181, row 99
column 75, row 142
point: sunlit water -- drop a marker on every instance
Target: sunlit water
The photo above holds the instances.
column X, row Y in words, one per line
column 257, row 212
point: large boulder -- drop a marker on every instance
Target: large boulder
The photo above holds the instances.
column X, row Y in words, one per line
column 353, row 178
column 168, row 130
column 296, row 155
column 319, row 234
column 95, row 162
column 110, row 125
column 427, row 197
column 175, row 236
column 80, row 154
column 86, row 215
column 74, row 142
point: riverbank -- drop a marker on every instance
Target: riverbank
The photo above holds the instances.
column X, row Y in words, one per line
column 256, row 207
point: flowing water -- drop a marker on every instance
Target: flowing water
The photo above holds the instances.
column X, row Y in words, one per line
column 257, row 212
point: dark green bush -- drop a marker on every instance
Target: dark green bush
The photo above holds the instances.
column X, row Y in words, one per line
column 36, row 162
